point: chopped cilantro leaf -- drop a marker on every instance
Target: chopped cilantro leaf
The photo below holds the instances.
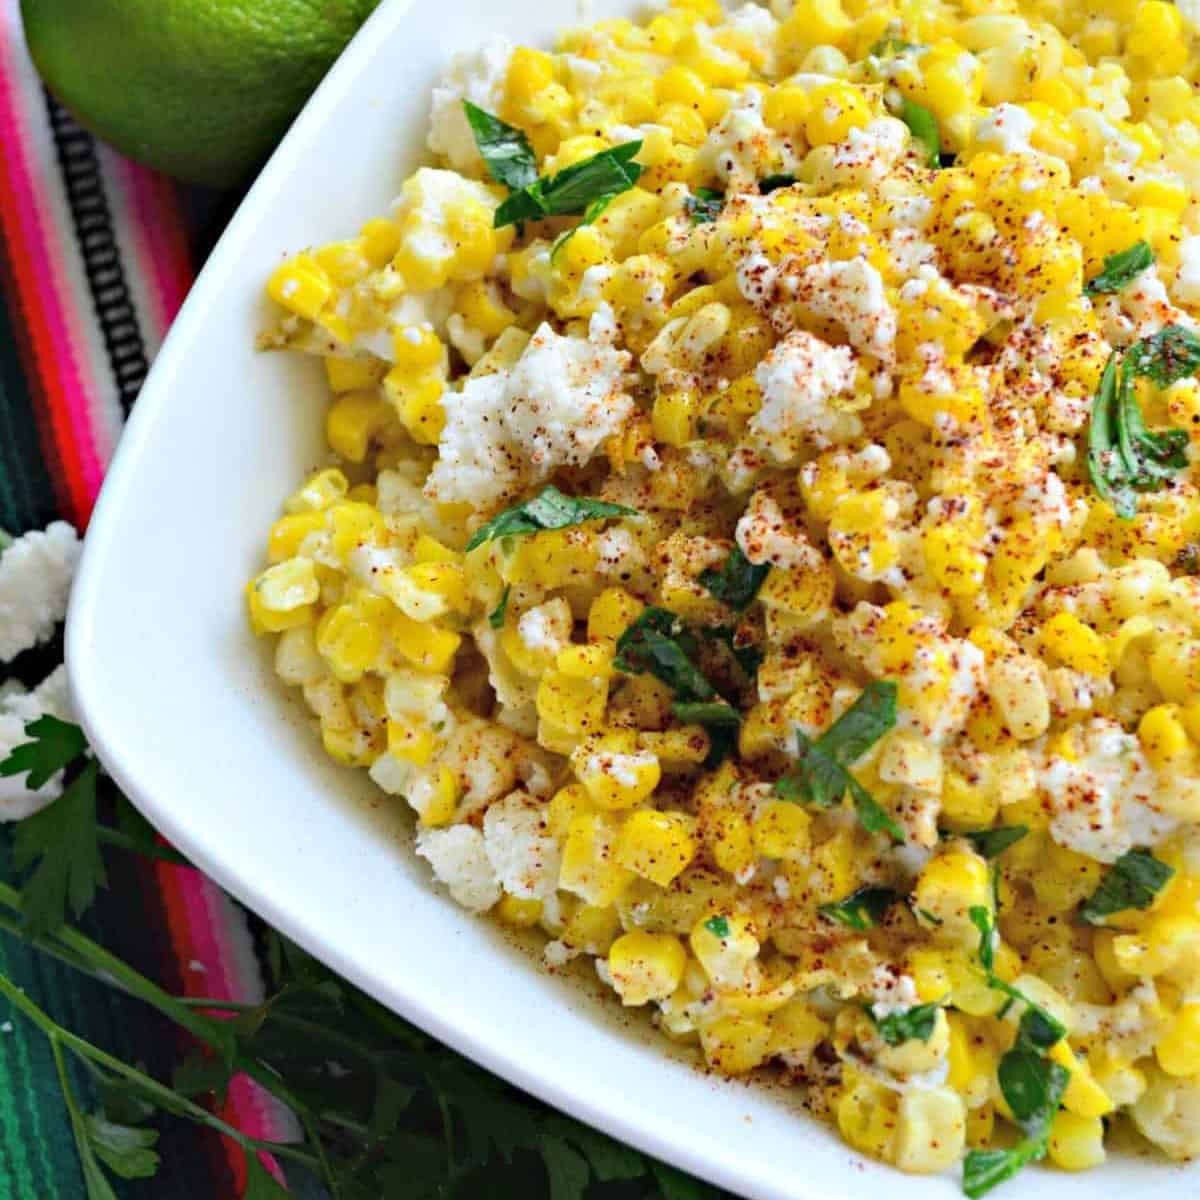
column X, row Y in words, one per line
column 504, row 148
column 717, row 926
column 899, row 1027
column 496, row 616
column 548, row 510
column 1132, row 881
column 993, row 842
column 863, row 909
column 704, row 205
column 736, row 581
column 1121, row 268
column 922, row 124
column 574, row 188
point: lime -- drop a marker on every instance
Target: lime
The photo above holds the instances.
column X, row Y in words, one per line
column 201, row 89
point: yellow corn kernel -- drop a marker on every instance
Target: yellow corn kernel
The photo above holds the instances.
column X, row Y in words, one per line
column 1076, row 1143
column 786, row 107
column 1163, row 737
column 1158, row 36
column 352, row 420
column 289, row 532
column 656, row 845
column 614, row 772
column 352, row 524
column 349, row 643
column 417, row 348
column 611, row 613
column 674, row 415
column 796, row 1030
column 866, row 1113
column 318, row 491
column 646, row 966
column 966, row 805
column 1084, row 1096
column 931, row 1129
column 417, row 400
column 727, row 836
column 380, row 239
column 585, row 662
column 424, row 645
column 836, row 109
column 804, row 594
column 437, row 802
column 951, row 884
column 780, row 830
column 1076, row 644
column 817, row 23
column 352, row 374
column 523, row 914
column 282, row 597
column 725, row 946
column 589, row 867
column 735, row 1045
column 572, row 704
column 1178, row 1050
column 592, row 929
column 300, row 285
column 411, row 742
column 981, row 1122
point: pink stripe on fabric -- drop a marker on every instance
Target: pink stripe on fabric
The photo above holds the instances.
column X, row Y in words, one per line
column 159, row 242
column 57, row 306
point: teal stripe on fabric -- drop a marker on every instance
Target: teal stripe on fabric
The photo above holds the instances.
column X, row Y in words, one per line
column 27, row 499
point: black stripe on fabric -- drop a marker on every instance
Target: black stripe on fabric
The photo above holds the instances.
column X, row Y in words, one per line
column 97, row 242
column 27, row 494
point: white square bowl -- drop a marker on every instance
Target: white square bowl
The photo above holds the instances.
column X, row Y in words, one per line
column 181, row 704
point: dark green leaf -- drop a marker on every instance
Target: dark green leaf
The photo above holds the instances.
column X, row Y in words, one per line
column 566, row 1170
column 1040, row 1028
column 610, row 1160
column 656, row 643
column 505, row 150
column 122, row 1104
column 872, row 816
column 858, row 729
column 392, row 1098
column 715, row 712
column 986, row 1169
column 548, row 510
column 496, row 616
column 572, row 189
column 1026, row 1081
column 260, row 1183
column 1132, row 881
column 913, row 1023
column 675, row 1185
column 736, row 581
column 704, row 206
column 126, row 1151
column 1120, row 269
column 993, row 842
column 923, row 126
column 981, row 918
column 201, row 1073
column 745, row 654
column 1104, row 460
column 862, row 909
column 717, row 926
column 772, row 183
column 1171, row 354
column 52, row 745
column 61, row 840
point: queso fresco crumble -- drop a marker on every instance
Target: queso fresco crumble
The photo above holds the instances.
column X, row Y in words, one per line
column 762, row 544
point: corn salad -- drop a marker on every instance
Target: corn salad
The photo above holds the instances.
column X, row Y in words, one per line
column 760, row 543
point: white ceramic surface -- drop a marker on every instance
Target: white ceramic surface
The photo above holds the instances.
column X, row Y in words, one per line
column 181, row 705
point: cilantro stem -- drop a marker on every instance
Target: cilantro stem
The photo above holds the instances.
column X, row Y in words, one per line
column 122, row 841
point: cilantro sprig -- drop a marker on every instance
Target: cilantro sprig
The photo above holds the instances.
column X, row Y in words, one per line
column 991, row 843
column 550, row 509
column 896, row 1028
column 1133, row 881
column 384, row 1110
column 772, row 183
column 863, row 909
column 1121, row 269
column 584, row 187
column 736, row 581
column 497, row 615
column 505, row 150
column 704, row 205
column 822, row 777
column 1124, row 457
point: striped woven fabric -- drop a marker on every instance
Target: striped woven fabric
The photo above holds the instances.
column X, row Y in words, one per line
column 94, row 262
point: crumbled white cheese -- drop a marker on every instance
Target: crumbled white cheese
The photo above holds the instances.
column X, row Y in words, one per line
column 1187, row 278
column 850, row 292
column 546, row 628
column 524, row 855
column 741, row 149
column 17, row 708
column 428, row 201
column 766, row 535
column 554, row 408
column 35, row 580
column 799, row 378
column 1007, row 129
column 1104, row 801
column 478, row 77
column 459, row 859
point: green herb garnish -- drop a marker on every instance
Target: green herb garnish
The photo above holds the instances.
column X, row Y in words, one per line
column 822, row 778
column 863, row 909
column 717, row 926
column 504, row 148
column 981, row 918
column 548, row 510
column 993, row 842
column 922, row 124
column 717, row 712
column 1124, row 457
column 496, row 616
column 658, row 643
column 772, row 183
column 736, row 581
column 1120, row 269
column 704, row 206
column 1133, row 881
column 53, row 745
column 904, row 1026
column 578, row 188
